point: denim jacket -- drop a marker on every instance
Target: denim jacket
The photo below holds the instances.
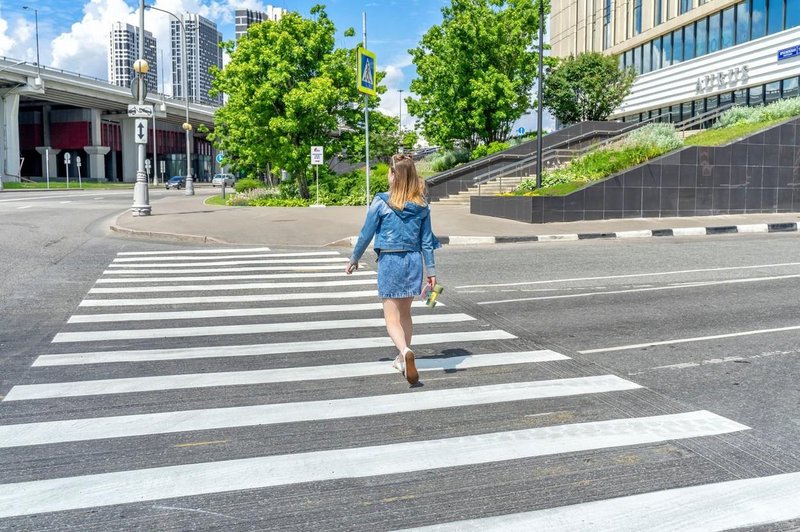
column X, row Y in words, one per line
column 409, row 230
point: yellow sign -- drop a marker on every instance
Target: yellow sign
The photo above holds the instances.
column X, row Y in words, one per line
column 366, row 81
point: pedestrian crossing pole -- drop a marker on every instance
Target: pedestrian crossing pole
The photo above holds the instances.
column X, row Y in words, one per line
column 366, row 107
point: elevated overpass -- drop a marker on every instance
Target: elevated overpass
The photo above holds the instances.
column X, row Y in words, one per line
column 47, row 112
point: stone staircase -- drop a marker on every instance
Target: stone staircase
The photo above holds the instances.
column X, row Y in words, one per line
column 490, row 188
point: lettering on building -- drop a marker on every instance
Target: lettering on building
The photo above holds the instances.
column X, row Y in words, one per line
column 723, row 79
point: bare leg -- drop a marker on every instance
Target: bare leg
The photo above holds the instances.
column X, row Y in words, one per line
column 397, row 313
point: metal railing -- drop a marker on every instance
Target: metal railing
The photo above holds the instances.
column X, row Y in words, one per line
column 702, row 119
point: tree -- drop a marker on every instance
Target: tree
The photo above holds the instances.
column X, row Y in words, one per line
column 475, row 71
column 384, row 137
column 409, row 140
column 288, row 89
column 587, row 87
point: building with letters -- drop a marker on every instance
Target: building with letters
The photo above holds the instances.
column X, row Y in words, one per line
column 691, row 56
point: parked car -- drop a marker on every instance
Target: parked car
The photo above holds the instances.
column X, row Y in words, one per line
column 176, row 181
column 222, row 179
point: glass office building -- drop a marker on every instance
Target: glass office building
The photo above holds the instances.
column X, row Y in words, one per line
column 691, row 56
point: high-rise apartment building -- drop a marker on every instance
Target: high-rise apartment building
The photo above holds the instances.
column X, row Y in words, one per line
column 123, row 51
column 691, row 56
column 246, row 17
column 202, row 52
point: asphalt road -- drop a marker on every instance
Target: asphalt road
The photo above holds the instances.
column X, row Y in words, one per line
column 146, row 386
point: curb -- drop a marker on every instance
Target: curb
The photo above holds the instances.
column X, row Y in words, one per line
column 783, row 227
column 202, row 239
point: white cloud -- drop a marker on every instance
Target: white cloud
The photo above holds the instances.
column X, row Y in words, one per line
column 394, row 81
column 18, row 39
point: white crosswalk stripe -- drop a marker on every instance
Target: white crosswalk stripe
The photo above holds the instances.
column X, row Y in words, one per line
column 320, row 369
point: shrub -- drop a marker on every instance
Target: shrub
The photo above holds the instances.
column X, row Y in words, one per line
column 487, row 149
column 782, row 109
column 661, row 136
column 449, row 159
column 740, row 115
column 248, row 183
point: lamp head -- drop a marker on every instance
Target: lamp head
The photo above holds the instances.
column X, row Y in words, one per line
column 140, row 66
column 187, row 126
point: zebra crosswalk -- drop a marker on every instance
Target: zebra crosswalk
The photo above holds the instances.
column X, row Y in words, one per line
column 273, row 405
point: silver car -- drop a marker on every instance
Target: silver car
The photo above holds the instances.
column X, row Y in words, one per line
column 222, row 179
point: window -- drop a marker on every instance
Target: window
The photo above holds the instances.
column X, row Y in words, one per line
column 647, row 54
column 607, row 24
column 792, row 13
column 701, row 37
column 774, row 16
column 685, row 5
column 658, row 9
column 677, row 46
column 773, row 91
column 791, row 88
column 688, row 42
column 666, row 50
column 758, row 18
column 714, row 36
column 686, row 110
column 728, row 28
column 742, row 23
column 755, row 95
column 629, row 58
column 657, row 53
column 637, row 59
column 740, row 97
column 725, row 98
column 637, row 17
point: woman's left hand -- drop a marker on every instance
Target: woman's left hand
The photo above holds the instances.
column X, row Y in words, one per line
column 351, row 267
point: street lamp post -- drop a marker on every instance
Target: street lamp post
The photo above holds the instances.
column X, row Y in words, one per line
column 187, row 127
column 400, row 92
column 141, row 199
column 36, row 19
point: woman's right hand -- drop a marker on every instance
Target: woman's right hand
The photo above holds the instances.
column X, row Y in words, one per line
column 351, row 267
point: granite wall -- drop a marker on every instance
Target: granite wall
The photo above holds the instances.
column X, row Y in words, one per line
column 758, row 174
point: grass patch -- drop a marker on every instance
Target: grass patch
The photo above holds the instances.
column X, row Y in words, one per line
column 25, row 185
column 216, row 200
column 562, row 189
column 720, row 136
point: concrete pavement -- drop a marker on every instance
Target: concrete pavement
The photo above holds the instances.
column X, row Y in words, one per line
column 178, row 217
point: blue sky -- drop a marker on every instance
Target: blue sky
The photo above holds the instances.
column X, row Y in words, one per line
column 73, row 34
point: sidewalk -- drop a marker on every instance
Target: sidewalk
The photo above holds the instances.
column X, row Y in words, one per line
column 187, row 218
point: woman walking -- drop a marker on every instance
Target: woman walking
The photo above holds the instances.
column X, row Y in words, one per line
column 400, row 221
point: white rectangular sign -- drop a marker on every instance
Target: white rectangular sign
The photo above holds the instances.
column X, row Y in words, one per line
column 140, row 111
column 317, row 155
column 140, row 131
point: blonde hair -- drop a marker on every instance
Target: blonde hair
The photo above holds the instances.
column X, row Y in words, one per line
column 406, row 185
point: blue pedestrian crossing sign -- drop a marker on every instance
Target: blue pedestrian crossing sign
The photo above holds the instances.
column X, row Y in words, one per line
column 366, row 72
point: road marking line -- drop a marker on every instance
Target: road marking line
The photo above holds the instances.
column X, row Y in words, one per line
column 233, row 286
column 228, row 270
column 711, row 507
column 26, row 392
column 312, row 275
column 194, row 251
column 253, row 328
column 65, row 202
column 228, row 351
column 24, row 207
column 223, row 299
column 649, row 289
column 340, row 260
column 42, row 196
column 630, row 275
column 230, row 313
column 178, row 257
column 688, row 340
column 122, row 487
column 200, row 443
column 72, row 430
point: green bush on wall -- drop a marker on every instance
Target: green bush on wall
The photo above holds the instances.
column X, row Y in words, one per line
column 248, row 183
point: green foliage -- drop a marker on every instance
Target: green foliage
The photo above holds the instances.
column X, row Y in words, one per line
column 487, row 149
column 475, row 71
column 409, row 140
column 587, row 87
column 661, row 136
column 720, row 136
column 288, row 89
column 639, row 146
column 384, row 138
column 777, row 110
column 449, row 159
column 248, row 183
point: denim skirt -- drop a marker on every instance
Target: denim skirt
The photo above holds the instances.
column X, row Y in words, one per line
column 399, row 274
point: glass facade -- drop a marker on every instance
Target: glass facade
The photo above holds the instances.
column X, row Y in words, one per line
column 758, row 95
column 637, row 17
column 737, row 24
